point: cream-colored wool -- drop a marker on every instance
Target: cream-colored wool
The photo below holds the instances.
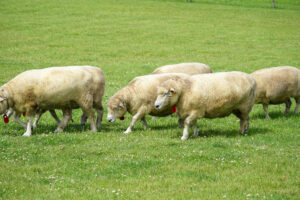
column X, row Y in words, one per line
column 209, row 96
column 52, row 88
column 186, row 68
column 98, row 91
column 138, row 98
column 276, row 85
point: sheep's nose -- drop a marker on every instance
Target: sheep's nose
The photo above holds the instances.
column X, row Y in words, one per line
column 156, row 106
column 110, row 120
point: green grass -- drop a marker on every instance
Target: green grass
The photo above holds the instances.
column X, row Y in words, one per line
column 128, row 38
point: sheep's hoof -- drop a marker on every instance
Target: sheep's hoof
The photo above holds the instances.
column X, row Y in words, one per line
column 58, row 130
column 26, row 134
column 196, row 134
column 184, row 138
column 99, row 126
column 127, row 131
column 94, row 130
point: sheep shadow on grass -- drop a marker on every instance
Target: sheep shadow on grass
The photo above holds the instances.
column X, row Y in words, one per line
column 274, row 115
column 48, row 129
column 223, row 132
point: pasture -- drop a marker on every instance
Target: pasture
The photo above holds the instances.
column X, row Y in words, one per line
column 129, row 38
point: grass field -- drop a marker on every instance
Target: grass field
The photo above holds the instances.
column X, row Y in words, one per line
column 128, row 38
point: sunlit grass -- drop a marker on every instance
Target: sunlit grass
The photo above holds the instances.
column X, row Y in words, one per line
column 128, row 38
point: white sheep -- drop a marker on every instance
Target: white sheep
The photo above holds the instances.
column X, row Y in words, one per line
column 38, row 90
column 186, row 68
column 98, row 91
column 209, row 96
column 276, row 85
column 138, row 98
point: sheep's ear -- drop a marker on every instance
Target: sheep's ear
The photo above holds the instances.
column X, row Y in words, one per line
column 172, row 90
column 2, row 99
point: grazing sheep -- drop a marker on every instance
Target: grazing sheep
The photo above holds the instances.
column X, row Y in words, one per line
column 38, row 90
column 209, row 96
column 98, row 91
column 186, row 68
column 276, row 85
column 138, row 98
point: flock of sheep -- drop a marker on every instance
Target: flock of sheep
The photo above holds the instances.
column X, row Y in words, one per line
column 190, row 90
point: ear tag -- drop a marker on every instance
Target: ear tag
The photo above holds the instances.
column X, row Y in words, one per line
column 122, row 118
column 5, row 119
column 24, row 114
column 173, row 109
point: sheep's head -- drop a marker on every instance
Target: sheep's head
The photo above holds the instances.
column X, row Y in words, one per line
column 116, row 108
column 167, row 94
column 3, row 102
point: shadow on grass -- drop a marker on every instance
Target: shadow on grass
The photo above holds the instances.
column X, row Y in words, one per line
column 223, row 132
column 48, row 129
column 274, row 115
column 162, row 127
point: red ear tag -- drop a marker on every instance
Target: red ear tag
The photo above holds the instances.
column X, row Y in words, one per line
column 24, row 114
column 122, row 118
column 174, row 109
column 6, row 119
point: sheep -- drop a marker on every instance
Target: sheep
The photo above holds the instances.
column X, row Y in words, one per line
column 209, row 96
column 38, row 90
column 98, row 91
column 186, row 68
column 276, row 85
column 138, row 98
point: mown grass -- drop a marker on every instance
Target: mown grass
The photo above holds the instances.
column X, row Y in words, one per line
column 129, row 38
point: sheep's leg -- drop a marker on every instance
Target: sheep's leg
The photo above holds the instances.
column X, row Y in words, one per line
column 37, row 118
column 99, row 116
column 28, row 131
column 180, row 123
column 248, row 124
column 265, row 107
column 100, row 112
column 191, row 118
column 187, row 123
column 10, row 112
column 67, row 115
column 145, row 125
column 195, row 128
column 89, row 112
column 54, row 115
column 185, row 134
column 244, row 124
column 83, row 119
column 16, row 118
column 135, row 118
column 244, row 120
column 288, row 104
column 296, row 111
